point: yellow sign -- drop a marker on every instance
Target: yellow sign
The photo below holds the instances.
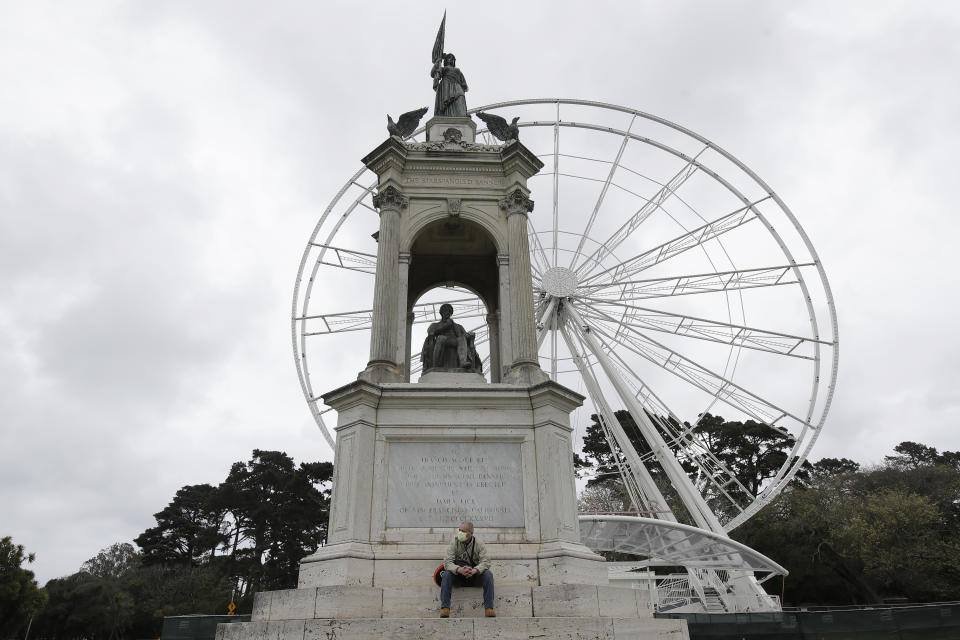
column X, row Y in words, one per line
column 231, row 608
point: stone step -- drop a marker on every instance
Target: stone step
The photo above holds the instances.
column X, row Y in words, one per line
column 554, row 628
column 346, row 602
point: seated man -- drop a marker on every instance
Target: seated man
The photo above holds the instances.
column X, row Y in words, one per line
column 446, row 335
column 466, row 564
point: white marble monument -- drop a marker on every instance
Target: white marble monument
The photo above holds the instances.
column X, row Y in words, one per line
column 416, row 458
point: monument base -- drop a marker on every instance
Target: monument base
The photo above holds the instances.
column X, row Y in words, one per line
column 561, row 611
column 412, row 462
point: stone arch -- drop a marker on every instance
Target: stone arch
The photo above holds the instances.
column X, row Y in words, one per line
column 477, row 214
column 456, row 251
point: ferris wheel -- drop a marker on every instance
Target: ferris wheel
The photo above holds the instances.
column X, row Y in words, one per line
column 669, row 281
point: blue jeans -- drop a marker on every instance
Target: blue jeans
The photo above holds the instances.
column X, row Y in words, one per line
column 449, row 579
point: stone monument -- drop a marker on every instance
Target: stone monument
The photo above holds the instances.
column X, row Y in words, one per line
column 416, row 458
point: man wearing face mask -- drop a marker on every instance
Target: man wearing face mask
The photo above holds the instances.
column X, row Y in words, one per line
column 466, row 564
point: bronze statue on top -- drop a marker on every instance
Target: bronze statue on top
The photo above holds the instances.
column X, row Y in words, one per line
column 448, row 81
column 449, row 347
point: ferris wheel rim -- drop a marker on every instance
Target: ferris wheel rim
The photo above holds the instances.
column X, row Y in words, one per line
column 300, row 310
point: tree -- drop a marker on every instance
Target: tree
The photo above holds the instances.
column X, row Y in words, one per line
column 753, row 452
column 189, row 530
column 20, row 597
column 913, row 455
column 834, row 466
column 113, row 562
column 83, row 605
column 255, row 526
column 279, row 514
column 851, row 536
column 607, row 497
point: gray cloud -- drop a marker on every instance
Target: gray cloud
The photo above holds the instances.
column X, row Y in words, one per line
column 162, row 165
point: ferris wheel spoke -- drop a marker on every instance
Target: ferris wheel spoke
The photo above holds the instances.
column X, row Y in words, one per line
column 696, row 374
column 363, row 320
column 679, row 437
column 556, row 183
column 540, row 263
column 603, row 194
column 719, row 281
column 686, row 491
column 347, row 259
column 678, row 245
column 606, row 248
column 781, row 344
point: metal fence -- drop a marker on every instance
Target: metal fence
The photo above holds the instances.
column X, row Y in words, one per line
column 918, row 622
column 198, row 627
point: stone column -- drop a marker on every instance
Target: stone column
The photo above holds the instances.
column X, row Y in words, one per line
column 382, row 366
column 403, row 348
column 506, row 354
column 525, row 366
column 406, row 364
column 493, row 331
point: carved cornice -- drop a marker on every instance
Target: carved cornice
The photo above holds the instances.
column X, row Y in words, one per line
column 516, row 202
column 390, row 154
column 390, row 198
column 444, row 145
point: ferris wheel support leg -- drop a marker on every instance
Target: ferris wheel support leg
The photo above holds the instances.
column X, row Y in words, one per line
column 650, row 498
column 691, row 498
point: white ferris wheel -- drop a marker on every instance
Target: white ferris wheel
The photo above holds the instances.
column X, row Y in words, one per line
column 669, row 281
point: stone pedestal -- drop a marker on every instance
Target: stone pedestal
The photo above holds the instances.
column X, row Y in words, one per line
column 412, row 462
column 562, row 612
column 415, row 460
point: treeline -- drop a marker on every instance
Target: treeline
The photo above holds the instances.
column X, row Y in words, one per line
column 846, row 534
column 861, row 536
column 246, row 535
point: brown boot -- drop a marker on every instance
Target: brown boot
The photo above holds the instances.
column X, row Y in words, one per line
column 445, row 612
column 490, row 613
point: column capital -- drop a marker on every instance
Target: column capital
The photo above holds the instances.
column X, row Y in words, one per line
column 503, row 259
column 391, row 199
column 516, row 202
column 404, row 257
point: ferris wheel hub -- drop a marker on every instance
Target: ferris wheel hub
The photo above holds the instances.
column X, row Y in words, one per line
column 560, row 282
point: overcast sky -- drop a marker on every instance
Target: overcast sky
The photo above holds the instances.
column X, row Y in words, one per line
column 162, row 165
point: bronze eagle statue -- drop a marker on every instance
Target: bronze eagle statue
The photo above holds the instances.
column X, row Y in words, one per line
column 407, row 123
column 499, row 128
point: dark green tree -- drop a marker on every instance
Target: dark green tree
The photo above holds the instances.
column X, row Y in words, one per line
column 753, row 452
column 20, row 597
column 849, row 536
column 188, row 531
column 834, row 466
column 913, row 455
column 83, row 605
column 279, row 514
column 114, row 562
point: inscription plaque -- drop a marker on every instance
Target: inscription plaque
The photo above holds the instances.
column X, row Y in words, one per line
column 441, row 484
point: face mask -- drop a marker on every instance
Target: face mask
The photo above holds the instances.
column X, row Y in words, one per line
column 462, row 536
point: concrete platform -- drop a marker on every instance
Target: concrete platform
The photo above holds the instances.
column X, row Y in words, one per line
column 352, row 602
column 500, row 628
